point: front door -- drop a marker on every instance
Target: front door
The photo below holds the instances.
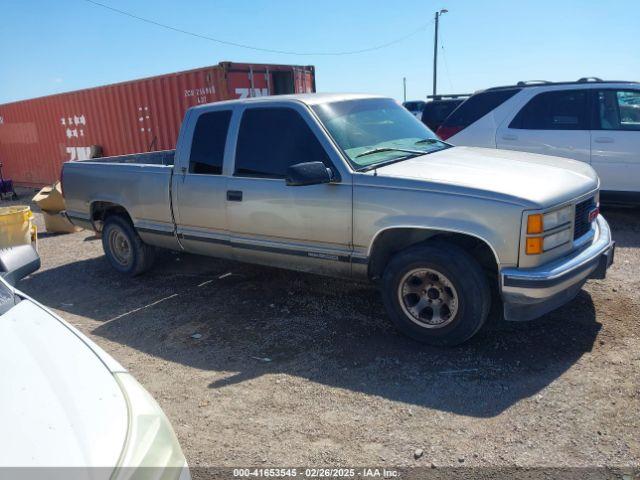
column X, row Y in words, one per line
column 615, row 141
column 301, row 227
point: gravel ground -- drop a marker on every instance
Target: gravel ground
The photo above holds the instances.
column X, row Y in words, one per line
column 260, row 366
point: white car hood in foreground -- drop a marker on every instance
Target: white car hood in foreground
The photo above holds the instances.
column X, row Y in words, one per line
column 59, row 403
column 537, row 180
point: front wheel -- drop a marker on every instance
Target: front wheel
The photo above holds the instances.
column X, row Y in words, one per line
column 436, row 293
column 124, row 248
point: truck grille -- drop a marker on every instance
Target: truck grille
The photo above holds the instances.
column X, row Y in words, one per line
column 582, row 223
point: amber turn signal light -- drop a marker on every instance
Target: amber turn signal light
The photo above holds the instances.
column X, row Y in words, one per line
column 534, row 223
column 534, row 245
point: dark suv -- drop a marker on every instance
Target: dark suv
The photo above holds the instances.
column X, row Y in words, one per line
column 436, row 111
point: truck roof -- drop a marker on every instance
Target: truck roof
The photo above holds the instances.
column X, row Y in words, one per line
column 306, row 98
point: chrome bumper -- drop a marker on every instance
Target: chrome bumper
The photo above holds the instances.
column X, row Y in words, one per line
column 531, row 292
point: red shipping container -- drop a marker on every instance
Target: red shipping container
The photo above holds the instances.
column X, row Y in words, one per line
column 37, row 136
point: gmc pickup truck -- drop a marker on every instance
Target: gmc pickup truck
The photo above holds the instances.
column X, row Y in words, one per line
column 355, row 186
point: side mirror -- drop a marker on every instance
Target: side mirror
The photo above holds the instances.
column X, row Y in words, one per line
column 309, row 173
column 18, row 262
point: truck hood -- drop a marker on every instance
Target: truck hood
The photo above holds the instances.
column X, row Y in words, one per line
column 532, row 180
column 61, row 405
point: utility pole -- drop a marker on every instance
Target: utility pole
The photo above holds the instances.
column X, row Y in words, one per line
column 435, row 51
column 404, row 87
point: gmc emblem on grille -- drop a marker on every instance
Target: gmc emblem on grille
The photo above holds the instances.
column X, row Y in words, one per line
column 593, row 213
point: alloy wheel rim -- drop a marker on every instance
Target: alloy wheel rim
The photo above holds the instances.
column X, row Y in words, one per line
column 428, row 298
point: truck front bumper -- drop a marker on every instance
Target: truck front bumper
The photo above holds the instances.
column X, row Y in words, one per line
column 528, row 293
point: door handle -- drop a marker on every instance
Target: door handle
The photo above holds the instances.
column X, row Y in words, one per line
column 603, row 140
column 509, row 136
column 234, row 195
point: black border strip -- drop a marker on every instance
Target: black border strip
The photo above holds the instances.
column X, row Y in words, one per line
column 278, row 250
column 360, row 260
column 550, row 282
column 154, row 231
column 197, row 238
column 297, row 253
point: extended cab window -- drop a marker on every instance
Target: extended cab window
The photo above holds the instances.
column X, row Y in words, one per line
column 558, row 110
column 618, row 110
column 209, row 138
column 271, row 140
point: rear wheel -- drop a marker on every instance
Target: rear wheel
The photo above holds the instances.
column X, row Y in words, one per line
column 436, row 293
column 124, row 248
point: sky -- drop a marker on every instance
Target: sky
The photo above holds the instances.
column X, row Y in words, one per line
column 51, row 46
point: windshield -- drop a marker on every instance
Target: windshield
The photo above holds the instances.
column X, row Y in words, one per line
column 376, row 131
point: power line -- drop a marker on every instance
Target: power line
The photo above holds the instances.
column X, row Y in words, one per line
column 253, row 47
column 446, row 67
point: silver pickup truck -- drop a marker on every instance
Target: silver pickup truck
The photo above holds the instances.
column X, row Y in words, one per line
column 354, row 186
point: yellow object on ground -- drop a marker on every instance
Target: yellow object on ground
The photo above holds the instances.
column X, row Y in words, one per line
column 16, row 226
column 50, row 198
column 58, row 223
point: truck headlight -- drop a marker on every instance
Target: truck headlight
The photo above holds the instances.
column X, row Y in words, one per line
column 556, row 239
column 538, row 245
column 558, row 217
column 540, row 223
column 151, row 449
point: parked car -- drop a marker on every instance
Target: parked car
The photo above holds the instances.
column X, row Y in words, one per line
column 415, row 107
column 66, row 403
column 592, row 121
column 355, row 186
column 439, row 108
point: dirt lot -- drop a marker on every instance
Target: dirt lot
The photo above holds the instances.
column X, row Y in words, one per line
column 263, row 367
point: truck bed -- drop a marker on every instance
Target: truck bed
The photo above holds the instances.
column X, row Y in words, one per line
column 140, row 183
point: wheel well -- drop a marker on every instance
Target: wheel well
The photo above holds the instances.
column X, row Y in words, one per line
column 390, row 242
column 101, row 210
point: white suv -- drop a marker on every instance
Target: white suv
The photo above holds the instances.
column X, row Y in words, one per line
column 593, row 121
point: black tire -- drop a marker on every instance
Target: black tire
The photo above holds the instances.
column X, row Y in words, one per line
column 139, row 256
column 470, row 296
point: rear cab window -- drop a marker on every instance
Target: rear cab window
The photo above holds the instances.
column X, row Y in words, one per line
column 273, row 139
column 554, row 110
column 209, row 139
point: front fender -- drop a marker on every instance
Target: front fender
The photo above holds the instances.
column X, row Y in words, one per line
column 496, row 223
